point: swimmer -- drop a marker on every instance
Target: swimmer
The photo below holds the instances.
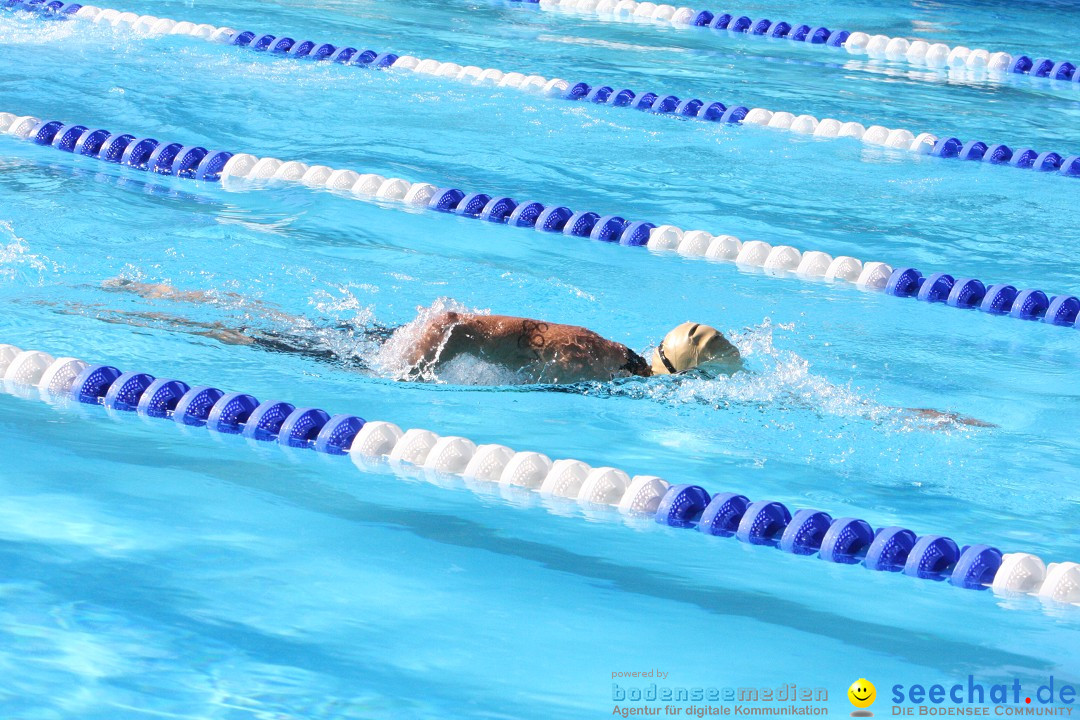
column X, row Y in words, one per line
column 554, row 353
column 538, row 351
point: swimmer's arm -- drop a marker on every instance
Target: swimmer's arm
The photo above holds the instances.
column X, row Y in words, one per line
column 441, row 339
column 930, row 414
column 164, row 291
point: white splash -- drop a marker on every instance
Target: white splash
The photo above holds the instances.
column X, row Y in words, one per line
column 16, row 258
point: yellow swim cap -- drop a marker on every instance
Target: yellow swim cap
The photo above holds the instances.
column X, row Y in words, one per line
column 693, row 344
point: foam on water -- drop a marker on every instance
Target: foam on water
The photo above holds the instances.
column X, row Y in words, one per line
column 16, row 260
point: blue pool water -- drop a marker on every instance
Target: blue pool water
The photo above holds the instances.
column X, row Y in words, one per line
column 152, row 571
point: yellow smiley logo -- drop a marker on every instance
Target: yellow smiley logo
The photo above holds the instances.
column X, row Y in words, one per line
column 862, row 693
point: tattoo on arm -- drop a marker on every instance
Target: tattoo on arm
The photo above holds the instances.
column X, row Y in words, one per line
column 532, row 336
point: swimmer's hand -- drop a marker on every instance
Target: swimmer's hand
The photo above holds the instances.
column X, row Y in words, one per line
column 929, row 414
column 157, row 291
column 146, row 290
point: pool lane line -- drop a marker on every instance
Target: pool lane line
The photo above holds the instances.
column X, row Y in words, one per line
column 918, row 53
column 652, row 103
column 69, row 381
column 963, row 293
column 216, row 166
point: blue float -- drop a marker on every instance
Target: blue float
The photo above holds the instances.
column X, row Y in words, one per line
column 805, row 533
column 138, row 152
column 636, row 234
column 498, row 209
column 161, row 160
column 1063, row 310
column 337, row 434
column 689, row 108
column 973, row 150
column 608, row 228
column 904, row 282
column 90, row 142
column 126, row 390
column 472, row 205
column 714, row 112
column 665, row 104
column 343, row 55
column 998, row 154
column 948, row 147
column 703, row 18
column 66, row 137
column 526, row 214
column 384, row 60
column 644, row 101
column 301, row 427
column 763, row 523
column 112, row 150
column 92, row 383
column 194, row 406
column 890, row 549
column 243, row 38
column 682, row 505
column 1062, row 71
column 301, row 49
column 779, row 29
column 1024, row 158
column 723, row 514
column 283, row 45
column 599, row 94
column 230, row 412
column 1020, row 64
column 845, row 540
column 734, row 114
column 999, row 299
column 264, row 421
column 186, row 162
column 1046, row 162
column 363, row 57
column 837, row 38
column 740, row 24
column 210, row 167
column 936, row 288
column 1029, row 304
column 720, row 22
column 622, row 98
column 1041, row 67
column 581, row 224
column 161, row 396
column 45, row 131
column 932, row 557
column 976, row 568
column 553, row 219
column 1070, row 166
column 262, row 43
column 966, row 293
column 799, row 33
column 446, row 199
column 577, row 91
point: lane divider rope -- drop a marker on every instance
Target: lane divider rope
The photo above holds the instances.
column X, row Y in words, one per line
column 175, row 159
column 997, row 299
column 652, row 103
column 914, row 52
column 34, row 374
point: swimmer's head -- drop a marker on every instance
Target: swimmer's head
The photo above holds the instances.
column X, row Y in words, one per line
column 693, row 345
